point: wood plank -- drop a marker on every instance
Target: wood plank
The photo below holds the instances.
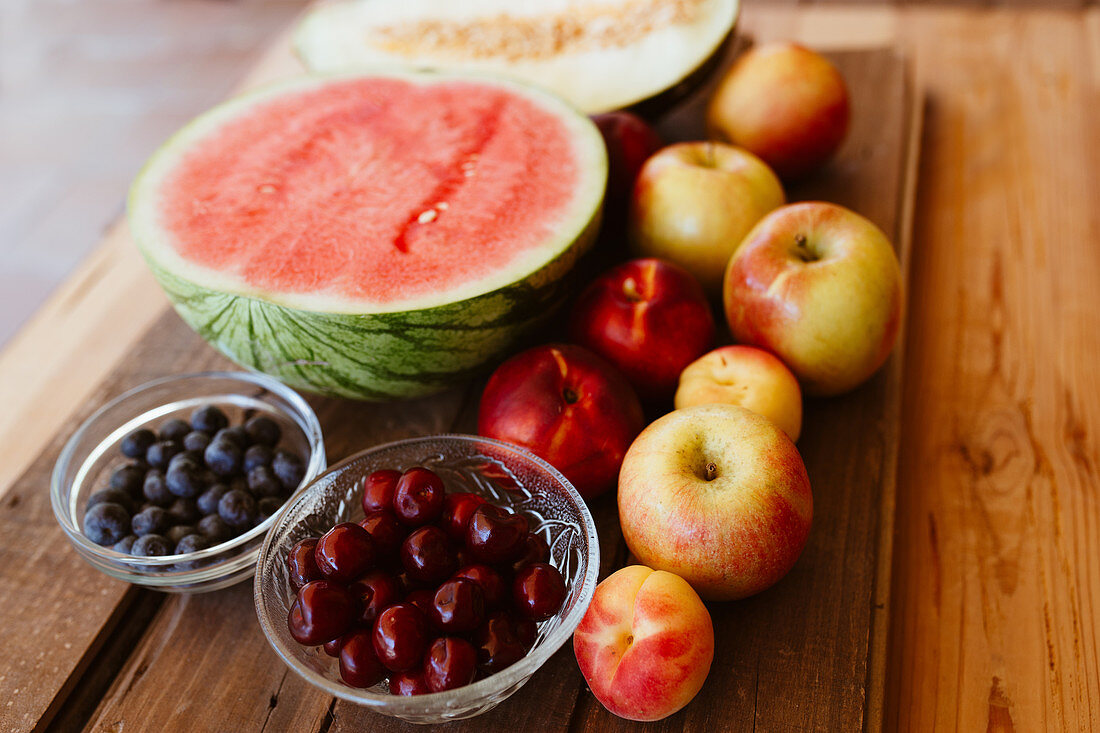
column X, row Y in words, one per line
column 997, row 584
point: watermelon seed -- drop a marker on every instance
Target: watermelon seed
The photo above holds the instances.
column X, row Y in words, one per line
column 267, row 188
column 427, row 216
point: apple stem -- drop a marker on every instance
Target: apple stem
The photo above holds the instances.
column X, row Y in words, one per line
column 711, row 471
column 570, row 396
column 630, row 290
column 803, row 250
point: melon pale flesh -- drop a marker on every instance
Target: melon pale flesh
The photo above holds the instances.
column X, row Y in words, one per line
column 598, row 54
column 374, row 236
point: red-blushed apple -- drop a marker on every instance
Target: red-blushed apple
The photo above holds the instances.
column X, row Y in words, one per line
column 784, row 102
column 567, row 406
column 745, row 376
column 629, row 140
column 820, row 287
column 717, row 495
column 645, row 644
column 694, row 202
column 650, row 319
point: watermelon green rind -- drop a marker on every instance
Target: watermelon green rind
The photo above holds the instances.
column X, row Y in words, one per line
column 394, row 350
column 378, row 356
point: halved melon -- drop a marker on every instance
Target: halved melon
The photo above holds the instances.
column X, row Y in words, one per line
column 598, row 54
column 376, row 236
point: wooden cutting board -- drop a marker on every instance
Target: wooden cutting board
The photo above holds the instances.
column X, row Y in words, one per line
column 84, row 650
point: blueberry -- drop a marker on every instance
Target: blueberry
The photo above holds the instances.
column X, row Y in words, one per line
column 269, row 506
column 262, row 482
column 236, row 435
column 184, row 511
column 288, row 468
column 106, row 523
column 187, row 478
column 196, row 440
column 174, row 430
column 128, row 478
column 155, row 488
column 153, row 520
column 214, row 527
column 177, row 533
column 117, row 496
column 257, row 455
column 137, row 442
column 124, row 544
column 159, row 454
column 209, row 419
column 223, row 456
column 191, row 543
column 208, row 500
column 151, row 545
column 263, row 430
column 238, row 509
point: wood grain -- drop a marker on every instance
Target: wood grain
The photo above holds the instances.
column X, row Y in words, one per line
column 997, row 584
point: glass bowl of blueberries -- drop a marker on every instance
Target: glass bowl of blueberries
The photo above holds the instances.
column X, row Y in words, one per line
column 174, row 484
column 428, row 579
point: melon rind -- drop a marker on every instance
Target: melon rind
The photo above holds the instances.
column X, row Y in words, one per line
column 337, row 36
column 382, row 355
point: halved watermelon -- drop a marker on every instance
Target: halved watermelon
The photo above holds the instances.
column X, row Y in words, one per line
column 598, row 54
column 373, row 236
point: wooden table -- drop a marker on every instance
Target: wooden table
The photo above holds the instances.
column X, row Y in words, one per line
column 996, row 582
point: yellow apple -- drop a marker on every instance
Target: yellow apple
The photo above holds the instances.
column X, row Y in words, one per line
column 819, row 286
column 694, row 202
column 745, row 376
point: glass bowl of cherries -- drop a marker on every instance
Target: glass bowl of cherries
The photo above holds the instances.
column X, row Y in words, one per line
column 428, row 579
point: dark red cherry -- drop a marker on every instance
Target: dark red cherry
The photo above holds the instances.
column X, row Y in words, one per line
column 386, row 531
column 359, row 665
column 494, row 535
column 526, row 631
column 322, row 611
column 496, row 591
column 427, row 555
column 457, row 510
column 332, row 647
column 409, row 682
column 418, row 497
column 538, row 591
column 375, row 591
column 378, row 490
column 302, row 564
column 345, row 552
column 458, row 606
column 451, row 663
column 496, row 644
column 532, row 549
column 422, row 598
column 400, row 636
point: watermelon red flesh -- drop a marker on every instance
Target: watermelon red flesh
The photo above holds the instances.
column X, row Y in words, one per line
column 288, row 226
column 377, row 193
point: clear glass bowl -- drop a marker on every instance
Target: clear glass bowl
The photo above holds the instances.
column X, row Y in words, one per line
column 505, row 474
column 92, row 453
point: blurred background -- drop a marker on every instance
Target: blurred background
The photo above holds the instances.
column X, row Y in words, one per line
column 88, row 89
